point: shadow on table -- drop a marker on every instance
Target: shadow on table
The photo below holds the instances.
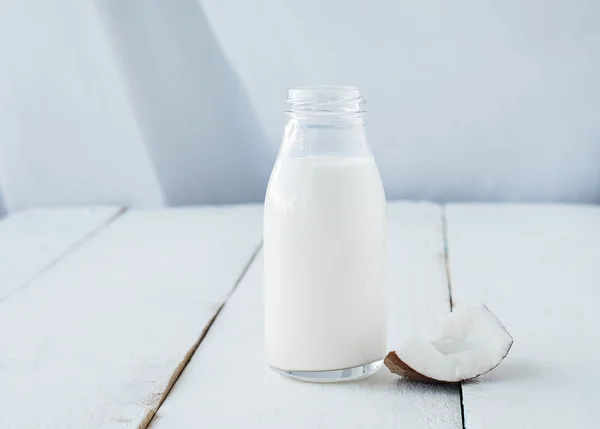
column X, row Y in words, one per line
column 385, row 380
column 507, row 371
column 511, row 371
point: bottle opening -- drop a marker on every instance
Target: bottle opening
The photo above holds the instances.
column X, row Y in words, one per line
column 335, row 100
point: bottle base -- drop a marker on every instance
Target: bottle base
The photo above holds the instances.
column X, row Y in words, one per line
column 334, row 375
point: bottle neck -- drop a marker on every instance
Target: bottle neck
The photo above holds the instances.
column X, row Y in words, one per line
column 325, row 136
column 325, row 120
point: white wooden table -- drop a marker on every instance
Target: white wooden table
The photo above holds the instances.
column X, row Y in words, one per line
column 130, row 319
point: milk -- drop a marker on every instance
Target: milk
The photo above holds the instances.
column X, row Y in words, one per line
column 324, row 252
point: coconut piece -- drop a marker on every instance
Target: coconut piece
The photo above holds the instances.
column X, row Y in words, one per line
column 471, row 341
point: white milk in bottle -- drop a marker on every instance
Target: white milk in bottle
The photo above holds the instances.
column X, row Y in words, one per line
column 324, row 242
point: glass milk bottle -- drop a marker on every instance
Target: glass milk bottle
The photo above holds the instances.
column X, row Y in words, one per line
column 324, row 242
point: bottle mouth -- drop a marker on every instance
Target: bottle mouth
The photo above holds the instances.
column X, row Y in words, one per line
column 326, row 99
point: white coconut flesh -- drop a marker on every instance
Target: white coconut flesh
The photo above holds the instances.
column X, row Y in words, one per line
column 471, row 341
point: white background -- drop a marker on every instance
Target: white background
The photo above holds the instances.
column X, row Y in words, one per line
column 148, row 102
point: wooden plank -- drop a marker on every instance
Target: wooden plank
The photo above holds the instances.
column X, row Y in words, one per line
column 33, row 240
column 228, row 384
column 537, row 268
column 98, row 339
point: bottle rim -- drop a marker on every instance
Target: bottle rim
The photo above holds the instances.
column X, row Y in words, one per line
column 325, row 100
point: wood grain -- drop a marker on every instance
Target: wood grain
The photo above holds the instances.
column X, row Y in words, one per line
column 228, row 385
column 99, row 338
column 538, row 269
column 33, row 240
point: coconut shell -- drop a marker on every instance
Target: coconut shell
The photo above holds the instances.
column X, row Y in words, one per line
column 397, row 366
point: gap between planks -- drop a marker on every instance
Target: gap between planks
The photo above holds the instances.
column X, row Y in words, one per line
column 76, row 245
column 147, row 422
column 450, row 299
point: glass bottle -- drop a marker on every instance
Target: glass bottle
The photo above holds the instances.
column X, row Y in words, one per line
column 324, row 242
